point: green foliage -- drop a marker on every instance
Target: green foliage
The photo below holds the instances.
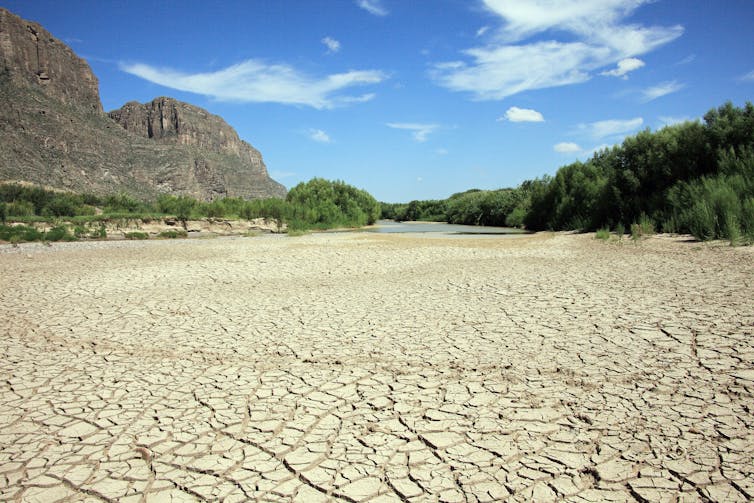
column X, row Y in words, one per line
column 620, row 230
column 20, row 208
column 603, row 234
column 100, row 233
column 182, row 207
column 136, row 235
column 321, row 204
column 59, row 233
column 19, row 233
column 317, row 204
column 173, row 234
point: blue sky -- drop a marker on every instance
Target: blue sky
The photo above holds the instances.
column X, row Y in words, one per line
column 418, row 99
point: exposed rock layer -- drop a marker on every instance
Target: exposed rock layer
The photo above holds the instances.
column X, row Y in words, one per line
column 55, row 133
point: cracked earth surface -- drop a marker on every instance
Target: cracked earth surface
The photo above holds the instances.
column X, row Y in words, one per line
column 377, row 368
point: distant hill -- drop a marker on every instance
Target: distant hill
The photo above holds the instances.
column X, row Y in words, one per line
column 53, row 131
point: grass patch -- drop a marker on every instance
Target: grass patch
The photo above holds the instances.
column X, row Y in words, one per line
column 173, row 234
column 136, row 235
column 603, row 234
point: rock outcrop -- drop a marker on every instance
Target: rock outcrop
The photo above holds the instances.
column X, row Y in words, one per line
column 53, row 131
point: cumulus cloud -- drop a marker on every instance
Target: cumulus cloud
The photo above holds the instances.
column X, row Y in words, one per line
column 660, row 90
column 624, row 67
column 319, row 136
column 592, row 34
column 332, row 45
column 373, row 7
column 255, row 81
column 566, row 148
column 420, row 132
column 611, row 127
column 515, row 114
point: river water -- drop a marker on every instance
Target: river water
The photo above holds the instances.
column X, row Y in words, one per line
column 392, row 227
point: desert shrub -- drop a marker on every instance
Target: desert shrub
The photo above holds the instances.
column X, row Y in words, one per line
column 603, row 234
column 123, row 203
column 136, row 235
column 620, row 230
column 59, row 233
column 19, row 233
column 173, row 234
column 646, row 225
column 100, row 233
column 20, row 209
column 80, row 231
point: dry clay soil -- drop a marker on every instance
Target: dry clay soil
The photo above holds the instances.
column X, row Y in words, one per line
column 358, row 367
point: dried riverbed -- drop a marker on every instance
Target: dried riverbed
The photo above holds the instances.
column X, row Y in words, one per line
column 362, row 367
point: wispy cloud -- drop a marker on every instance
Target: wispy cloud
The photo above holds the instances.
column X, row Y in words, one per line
column 593, row 33
column 660, row 90
column 749, row 77
column 566, row 148
column 277, row 175
column 515, row 114
column 624, row 67
column 668, row 120
column 332, row 45
column 481, row 31
column 255, row 81
column 610, row 128
column 319, row 136
column 420, row 132
column 373, row 7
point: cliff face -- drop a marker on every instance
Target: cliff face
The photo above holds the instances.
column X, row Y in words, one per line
column 29, row 54
column 53, row 131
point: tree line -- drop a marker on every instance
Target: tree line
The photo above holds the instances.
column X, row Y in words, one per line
column 316, row 204
column 696, row 177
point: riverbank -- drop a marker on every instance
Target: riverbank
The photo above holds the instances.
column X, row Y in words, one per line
column 353, row 366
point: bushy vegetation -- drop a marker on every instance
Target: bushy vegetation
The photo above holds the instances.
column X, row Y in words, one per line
column 317, row 204
column 322, row 204
column 695, row 177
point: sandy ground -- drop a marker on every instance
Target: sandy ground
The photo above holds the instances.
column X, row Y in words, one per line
column 360, row 367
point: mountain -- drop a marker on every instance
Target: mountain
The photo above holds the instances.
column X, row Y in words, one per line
column 54, row 132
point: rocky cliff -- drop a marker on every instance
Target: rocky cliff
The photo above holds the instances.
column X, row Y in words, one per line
column 53, row 131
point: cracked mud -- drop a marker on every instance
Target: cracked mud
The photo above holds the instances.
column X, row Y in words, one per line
column 377, row 368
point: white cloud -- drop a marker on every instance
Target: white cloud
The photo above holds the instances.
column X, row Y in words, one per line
column 612, row 127
column 591, row 33
column 566, row 148
column 420, row 132
column 660, row 90
column 254, row 81
column 515, row 114
column 481, row 31
column 373, row 7
column 624, row 67
column 319, row 136
column 667, row 120
column 749, row 77
column 332, row 45
column 441, row 151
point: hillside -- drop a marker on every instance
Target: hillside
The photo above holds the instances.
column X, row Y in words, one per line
column 54, row 132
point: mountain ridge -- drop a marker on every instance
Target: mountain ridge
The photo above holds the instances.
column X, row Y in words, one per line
column 55, row 133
